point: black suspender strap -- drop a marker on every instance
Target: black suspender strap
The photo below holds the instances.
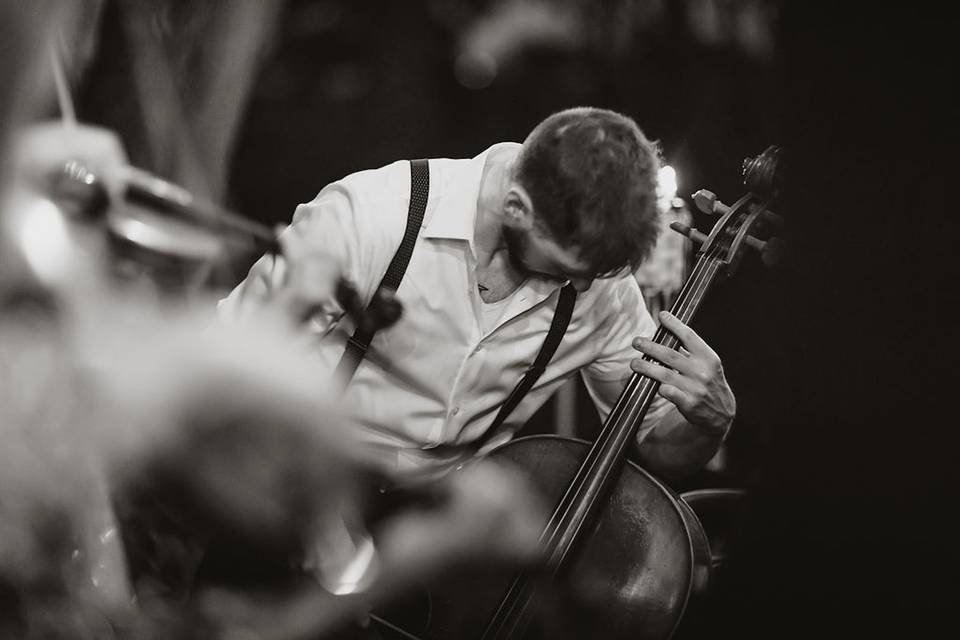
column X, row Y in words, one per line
column 561, row 318
column 358, row 343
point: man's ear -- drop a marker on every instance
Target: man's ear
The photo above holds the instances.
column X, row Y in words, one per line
column 518, row 208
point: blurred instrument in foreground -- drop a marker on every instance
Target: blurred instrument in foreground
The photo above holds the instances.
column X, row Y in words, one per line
column 164, row 235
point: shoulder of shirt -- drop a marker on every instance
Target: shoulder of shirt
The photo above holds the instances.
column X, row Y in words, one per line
column 377, row 201
column 389, row 182
column 612, row 295
column 392, row 181
column 381, row 197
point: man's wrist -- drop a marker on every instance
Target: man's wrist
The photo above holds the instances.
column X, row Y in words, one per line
column 721, row 429
column 714, row 429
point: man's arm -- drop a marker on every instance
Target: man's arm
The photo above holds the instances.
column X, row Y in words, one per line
column 675, row 448
column 704, row 406
column 350, row 230
column 319, row 247
column 692, row 413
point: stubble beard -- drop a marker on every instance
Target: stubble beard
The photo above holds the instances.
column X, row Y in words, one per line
column 517, row 242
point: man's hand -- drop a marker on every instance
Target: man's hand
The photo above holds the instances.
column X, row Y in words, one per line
column 692, row 379
column 42, row 151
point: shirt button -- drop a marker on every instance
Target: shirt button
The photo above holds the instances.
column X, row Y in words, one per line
column 456, row 411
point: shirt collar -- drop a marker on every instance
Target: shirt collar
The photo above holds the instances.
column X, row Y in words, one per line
column 454, row 216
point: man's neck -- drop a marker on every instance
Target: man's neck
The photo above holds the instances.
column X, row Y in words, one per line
column 488, row 235
column 496, row 276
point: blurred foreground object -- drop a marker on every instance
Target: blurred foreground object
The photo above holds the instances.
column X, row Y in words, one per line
column 482, row 516
column 83, row 207
column 117, row 395
column 220, row 510
column 220, row 437
column 61, row 567
column 85, row 218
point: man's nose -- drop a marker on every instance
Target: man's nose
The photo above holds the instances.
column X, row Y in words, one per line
column 581, row 284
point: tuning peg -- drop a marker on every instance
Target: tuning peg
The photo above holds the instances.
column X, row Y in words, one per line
column 705, row 201
column 774, row 252
column 691, row 233
column 771, row 251
column 755, row 243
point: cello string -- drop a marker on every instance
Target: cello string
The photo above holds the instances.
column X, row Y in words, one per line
column 622, row 407
column 580, row 497
column 615, row 439
column 617, row 442
column 703, row 273
column 686, row 306
column 684, row 312
column 619, row 437
column 577, row 492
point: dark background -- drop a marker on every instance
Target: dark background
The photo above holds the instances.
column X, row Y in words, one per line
column 841, row 357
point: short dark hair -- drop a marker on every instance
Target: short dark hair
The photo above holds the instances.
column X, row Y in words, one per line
column 592, row 177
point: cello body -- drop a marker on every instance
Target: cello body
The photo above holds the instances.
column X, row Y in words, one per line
column 634, row 573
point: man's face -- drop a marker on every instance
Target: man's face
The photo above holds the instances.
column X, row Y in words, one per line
column 534, row 252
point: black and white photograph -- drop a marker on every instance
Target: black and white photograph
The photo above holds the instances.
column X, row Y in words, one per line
column 478, row 319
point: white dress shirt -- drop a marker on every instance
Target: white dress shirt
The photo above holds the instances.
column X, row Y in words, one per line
column 436, row 376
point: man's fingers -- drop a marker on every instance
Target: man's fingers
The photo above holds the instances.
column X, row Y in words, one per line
column 675, row 395
column 658, row 372
column 673, row 386
column 693, row 342
column 665, row 355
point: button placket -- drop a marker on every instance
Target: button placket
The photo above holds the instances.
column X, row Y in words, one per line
column 454, row 400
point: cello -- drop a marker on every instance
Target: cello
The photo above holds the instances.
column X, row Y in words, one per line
column 621, row 549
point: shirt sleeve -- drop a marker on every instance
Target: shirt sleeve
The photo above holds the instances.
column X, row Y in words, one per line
column 331, row 225
column 605, row 378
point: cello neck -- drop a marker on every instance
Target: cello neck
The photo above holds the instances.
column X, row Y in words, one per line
column 599, row 469
column 597, row 474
